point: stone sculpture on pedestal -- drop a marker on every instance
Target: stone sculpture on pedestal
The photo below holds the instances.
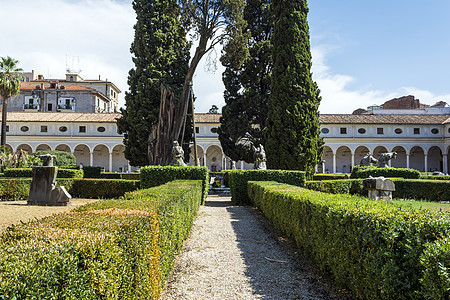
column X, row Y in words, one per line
column 177, row 155
column 42, row 189
column 380, row 188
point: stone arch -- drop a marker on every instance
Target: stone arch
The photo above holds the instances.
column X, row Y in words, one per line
column 101, row 156
column 43, row 147
column 82, row 154
column 378, row 150
column 360, row 152
column 63, row 147
column 327, row 157
column 200, row 154
column 119, row 163
column 214, row 158
column 25, row 147
column 434, row 159
column 10, row 148
column 400, row 161
column 343, row 159
column 417, row 158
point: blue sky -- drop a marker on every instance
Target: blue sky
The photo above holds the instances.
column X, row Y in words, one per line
column 364, row 52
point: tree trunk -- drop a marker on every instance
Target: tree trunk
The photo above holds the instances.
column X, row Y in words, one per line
column 3, row 138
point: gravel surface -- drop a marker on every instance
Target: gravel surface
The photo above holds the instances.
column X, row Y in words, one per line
column 230, row 254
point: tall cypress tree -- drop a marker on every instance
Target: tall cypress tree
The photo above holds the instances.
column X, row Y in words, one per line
column 292, row 133
column 247, row 89
column 161, row 56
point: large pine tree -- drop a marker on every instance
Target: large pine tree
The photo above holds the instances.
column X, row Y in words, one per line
column 292, row 133
column 161, row 57
column 247, row 89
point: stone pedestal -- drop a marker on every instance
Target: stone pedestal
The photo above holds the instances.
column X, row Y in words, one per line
column 380, row 188
column 42, row 189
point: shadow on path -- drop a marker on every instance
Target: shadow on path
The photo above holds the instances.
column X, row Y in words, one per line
column 273, row 270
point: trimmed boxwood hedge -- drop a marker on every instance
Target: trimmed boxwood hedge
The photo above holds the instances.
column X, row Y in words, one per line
column 111, row 249
column 435, row 177
column 19, row 188
column 28, row 173
column 377, row 250
column 330, row 176
column 113, row 175
column 365, row 172
column 238, row 181
column 157, row 175
column 429, row 190
column 92, row 172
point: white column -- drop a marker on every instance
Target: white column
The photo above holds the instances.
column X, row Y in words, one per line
column 110, row 161
column 353, row 160
column 407, row 161
column 129, row 168
column 316, row 170
column 91, row 158
column 334, row 163
column 242, row 165
column 204, row 159
column 426, row 162
column 445, row 163
column 222, row 158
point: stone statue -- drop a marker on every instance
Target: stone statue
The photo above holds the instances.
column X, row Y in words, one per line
column 367, row 160
column 47, row 160
column 260, row 158
column 380, row 188
column 385, row 158
column 177, row 155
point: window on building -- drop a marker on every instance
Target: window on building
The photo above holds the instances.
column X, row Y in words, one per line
column 7, row 128
column 71, row 78
column 44, row 128
column 101, row 129
column 343, row 130
column 82, row 129
column 434, row 131
column 398, row 131
column 24, row 128
column 63, row 128
column 361, row 130
column 214, row 130
column 416, row 130
column 325, row 130
column 449, row 130
column 50, row 107
column 380, row 130
column 197, row 129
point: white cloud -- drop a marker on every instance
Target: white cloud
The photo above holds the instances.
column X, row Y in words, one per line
column 46, row 35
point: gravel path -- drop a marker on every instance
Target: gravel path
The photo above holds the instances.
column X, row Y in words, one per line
column 230, row 254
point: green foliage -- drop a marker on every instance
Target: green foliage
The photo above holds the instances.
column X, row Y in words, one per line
column 157, row 175
column 342, row 186
column 430, row 190
column 62, row 158
column 436, row 263
column 14, row 189
column 20, row 159
column 435, row 177
column 329, row 176
column 28, row 172
column 128, row 176
column 176, row 204
column 247, row 88
column 99, row 188
column 160, row 55
column 238, row 181
column 371, row 248
column 365, row 172
column 292, row 132
column 92, row 172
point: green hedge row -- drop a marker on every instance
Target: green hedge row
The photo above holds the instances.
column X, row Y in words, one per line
column 28, row 173
column 238, row 181
column 157, row 175
column 434, row 177
column 92, row 172
column 365, row 172
column 377, row 250
column 127, row 176
column 329, row 176
column 429, row 190
column 115, row 249
column 19, row 188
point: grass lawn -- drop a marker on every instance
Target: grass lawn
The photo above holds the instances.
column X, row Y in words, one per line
column 424, row 204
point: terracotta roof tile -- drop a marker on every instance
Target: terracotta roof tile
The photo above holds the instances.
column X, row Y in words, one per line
column 207, row 118
column 383, row 119
column 28, row 87
column 61, row 117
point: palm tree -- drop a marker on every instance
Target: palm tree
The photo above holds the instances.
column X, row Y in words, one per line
column 9, row 87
